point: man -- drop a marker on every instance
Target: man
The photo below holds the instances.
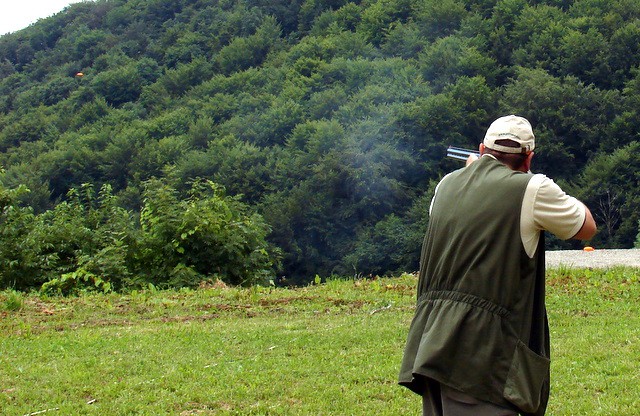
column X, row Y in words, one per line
column 479, row 341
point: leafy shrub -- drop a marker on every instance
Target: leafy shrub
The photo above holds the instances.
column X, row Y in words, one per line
column 71, row 282
column 85, row 242
column 207, row 235
column 18, row 260
column 88, row 242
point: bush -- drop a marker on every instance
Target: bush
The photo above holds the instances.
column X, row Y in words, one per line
column 85, row 243
column 18, row 262
column 205, row 236
column 88, row 242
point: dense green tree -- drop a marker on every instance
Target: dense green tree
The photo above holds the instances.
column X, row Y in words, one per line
column 505, row 14
column 380, row 249
column 184, row 76
column 609, row 187
column 380, row 17
column 571, row 118
column 534, row 20
column 586, row 56
column 6, row 68
column 404, row 40
column 544, row 49
column 187, row 47
column 624, row 52
column 33, row 126
column 345, row 18
column 245, row 52
column 286, row 12
column 452, row 57
column 38, row 198
column 162, row 10
column 169, row 123
column 83, row 112
column 437, row 19
column 626, row 127
column 119, row 154
column 119, row 85
column 53, row 91
column 83, row 45
column 310, row 10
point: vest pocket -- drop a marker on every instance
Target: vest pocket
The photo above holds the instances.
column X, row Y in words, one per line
column 526, row 376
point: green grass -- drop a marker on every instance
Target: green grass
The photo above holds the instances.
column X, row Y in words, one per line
column 595, row 333
column 329, row 349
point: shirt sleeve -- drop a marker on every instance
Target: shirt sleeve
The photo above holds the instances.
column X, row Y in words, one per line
column 557, row 212
column 547, row 207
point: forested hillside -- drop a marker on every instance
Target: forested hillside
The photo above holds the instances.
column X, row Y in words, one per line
column 323, row 121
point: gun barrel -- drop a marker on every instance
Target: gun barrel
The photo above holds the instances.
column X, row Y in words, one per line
column 460, row 153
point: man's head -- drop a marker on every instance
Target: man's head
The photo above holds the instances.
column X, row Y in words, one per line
column 510, row 139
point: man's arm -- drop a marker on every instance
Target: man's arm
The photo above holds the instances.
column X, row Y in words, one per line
column 547, row 207
column 589, row 227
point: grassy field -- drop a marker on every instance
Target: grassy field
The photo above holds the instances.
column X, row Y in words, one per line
column 328, row 349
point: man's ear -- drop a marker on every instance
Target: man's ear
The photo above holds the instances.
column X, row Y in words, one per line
column 481, row 149
column 527, row 162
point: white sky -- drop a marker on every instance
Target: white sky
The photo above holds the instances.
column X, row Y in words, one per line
column 18, row 14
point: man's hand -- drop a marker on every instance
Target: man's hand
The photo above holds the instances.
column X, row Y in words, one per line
column 472, row 158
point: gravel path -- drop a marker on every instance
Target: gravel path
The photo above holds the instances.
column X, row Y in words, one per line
column 595, row 259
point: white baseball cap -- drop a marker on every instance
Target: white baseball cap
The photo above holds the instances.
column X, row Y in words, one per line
column 513, row 128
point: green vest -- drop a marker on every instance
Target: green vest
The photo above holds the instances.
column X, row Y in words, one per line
column 480, row 324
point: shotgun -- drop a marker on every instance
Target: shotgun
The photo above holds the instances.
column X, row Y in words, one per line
column 460, row 153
